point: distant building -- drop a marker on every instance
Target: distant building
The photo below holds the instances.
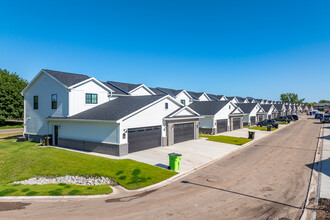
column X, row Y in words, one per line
column 321, row 106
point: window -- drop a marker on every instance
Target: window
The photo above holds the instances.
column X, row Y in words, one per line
column 91, row 98
column 166, row 105
column 54, row 101
column 35, row 102
column 183, row 101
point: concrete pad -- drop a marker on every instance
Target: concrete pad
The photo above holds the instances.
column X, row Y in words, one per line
column 195, row 153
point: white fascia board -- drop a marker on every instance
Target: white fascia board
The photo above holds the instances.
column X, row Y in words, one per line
column 240, row 110
column 142, row 85
column 208, row 98
column 261, row 108
column 194, row 117
column 184, row 91
column 184, row 108
column 147, row 106
column 90, row 79
column 81, row 120
column 37, row 76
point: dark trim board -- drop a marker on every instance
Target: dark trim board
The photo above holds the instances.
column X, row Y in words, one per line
column 34, row 138
column 90, row 146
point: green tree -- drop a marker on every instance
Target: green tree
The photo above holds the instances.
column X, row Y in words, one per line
column 11, row 101
column 324, row 101
column 291, row 97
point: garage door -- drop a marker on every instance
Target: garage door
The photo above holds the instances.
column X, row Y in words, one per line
column 236, row 123
column 253, row 120
column 143, row 138
column 183, row 132
column 260, row 118
column 222, row 125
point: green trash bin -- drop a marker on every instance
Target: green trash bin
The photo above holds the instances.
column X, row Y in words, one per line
column 175, row 160
column 251, row 134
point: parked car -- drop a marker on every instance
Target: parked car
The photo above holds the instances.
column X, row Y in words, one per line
column 325, row 119
column 282, row 119
column 290, row 117
column 295, row 117
column 327, row 111
column 268, row 122
column 318, row 116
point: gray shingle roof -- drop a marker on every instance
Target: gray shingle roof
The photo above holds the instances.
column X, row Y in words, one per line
column 117, row 109
column 213, row 97
column 266, row 107
column 114, row 89
column 246, row 107
column 67, row 79
column 278, row 106
column 240, row 99
column 124, row 87
column 171, row 92
column 157, row 92
column 195, row 95
column 208, row 107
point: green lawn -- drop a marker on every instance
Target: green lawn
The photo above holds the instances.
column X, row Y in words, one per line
column 23, row 160
column 282, row 123
column 260, row 128
column 11, row 124
column 52, row 190
column 227, row 139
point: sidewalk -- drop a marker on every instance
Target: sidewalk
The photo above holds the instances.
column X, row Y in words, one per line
column 325, row 167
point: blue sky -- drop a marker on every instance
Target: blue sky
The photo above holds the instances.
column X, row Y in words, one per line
column 242, row 48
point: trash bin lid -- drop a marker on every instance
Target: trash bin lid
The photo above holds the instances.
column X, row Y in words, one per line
column 175, row 154
column 252, row 131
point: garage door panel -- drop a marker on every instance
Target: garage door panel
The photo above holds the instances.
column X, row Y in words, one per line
column 237, row 123
column 144, row 138
column 253, row 120
column 183, row 132
column 222, row 125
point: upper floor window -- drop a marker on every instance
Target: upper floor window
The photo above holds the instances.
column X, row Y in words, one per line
column 35, row 102
column 91, row 98
column 54, row 101
column 166, row 105
column 183, row 102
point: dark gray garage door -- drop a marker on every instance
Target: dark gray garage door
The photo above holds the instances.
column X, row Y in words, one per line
column 253, row 120
column 183, row 132
column 143, row 138
column 260, row 118
column 236, row 123
column 222, row 125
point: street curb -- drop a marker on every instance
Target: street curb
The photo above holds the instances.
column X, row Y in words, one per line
column 156, row 186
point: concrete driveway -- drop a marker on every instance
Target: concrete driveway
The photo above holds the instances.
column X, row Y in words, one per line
column 195, row 153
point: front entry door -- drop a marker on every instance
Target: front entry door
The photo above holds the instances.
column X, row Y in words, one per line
column 55, row 134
